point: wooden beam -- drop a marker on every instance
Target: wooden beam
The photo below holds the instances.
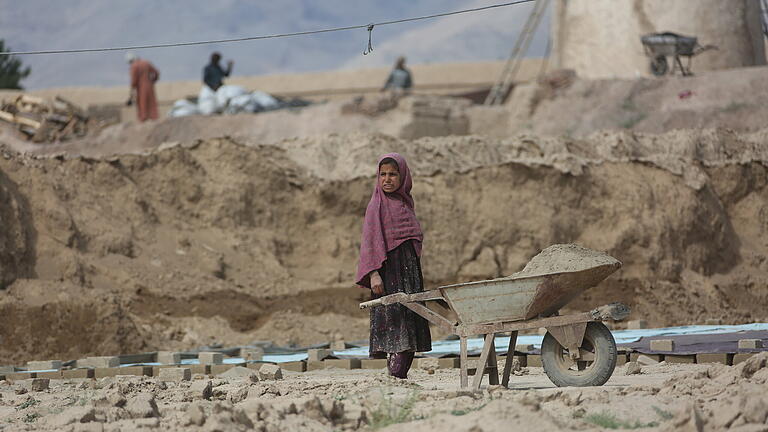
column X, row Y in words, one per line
column 430, row 315
column 480, row 368
column 510, row 357
column 463, row 361
column 468, row 330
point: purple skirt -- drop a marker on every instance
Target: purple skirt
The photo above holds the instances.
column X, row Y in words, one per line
column 395, row 328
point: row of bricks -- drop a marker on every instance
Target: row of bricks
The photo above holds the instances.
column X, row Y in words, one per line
column 303, row 366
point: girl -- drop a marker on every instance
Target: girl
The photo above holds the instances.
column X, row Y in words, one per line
column 389, row 263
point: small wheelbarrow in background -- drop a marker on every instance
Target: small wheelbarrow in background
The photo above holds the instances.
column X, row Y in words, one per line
column 578, row 349
column 659, row 46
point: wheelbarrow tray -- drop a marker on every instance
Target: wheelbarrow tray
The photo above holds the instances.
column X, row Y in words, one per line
column 518, row 298
column 669, row 44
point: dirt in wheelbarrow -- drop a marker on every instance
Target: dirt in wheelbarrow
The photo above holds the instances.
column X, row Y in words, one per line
column 661, row 397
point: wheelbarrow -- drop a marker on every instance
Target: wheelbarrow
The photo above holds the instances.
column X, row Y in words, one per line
column 659, row 46
column 577, row 350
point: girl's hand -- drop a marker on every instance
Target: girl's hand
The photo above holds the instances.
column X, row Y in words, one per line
column 377, row 286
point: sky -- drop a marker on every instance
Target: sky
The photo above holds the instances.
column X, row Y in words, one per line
column 39, row 24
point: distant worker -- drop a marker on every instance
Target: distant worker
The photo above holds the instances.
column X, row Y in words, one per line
column 400, row 78
column 143, row 78
column 213, row 74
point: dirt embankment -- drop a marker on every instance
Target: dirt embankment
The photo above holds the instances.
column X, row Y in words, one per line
column 733, row 98
column 230, row 242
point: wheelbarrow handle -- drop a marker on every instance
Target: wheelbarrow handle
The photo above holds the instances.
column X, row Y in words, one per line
column 371, row 303
column 386, row 300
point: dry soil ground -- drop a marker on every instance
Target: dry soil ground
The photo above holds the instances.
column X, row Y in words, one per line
column 662, row 397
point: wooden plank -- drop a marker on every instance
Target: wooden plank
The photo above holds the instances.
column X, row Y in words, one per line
column 463, row 361
column 430, row 315
column 468, row 330
column 483, row 361
column 510, row 357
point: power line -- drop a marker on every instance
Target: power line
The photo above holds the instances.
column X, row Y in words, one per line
column 274, row 36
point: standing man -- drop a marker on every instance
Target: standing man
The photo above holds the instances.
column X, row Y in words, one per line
column 213, row 74
column 399, row 79
column 143, row 78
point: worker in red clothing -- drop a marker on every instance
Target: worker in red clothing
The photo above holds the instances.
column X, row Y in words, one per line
column 143, row 78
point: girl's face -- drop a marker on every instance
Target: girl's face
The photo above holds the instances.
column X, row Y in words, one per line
column 389, row 178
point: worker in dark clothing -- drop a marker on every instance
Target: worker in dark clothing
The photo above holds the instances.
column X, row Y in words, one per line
column 213, row 74
column 400, row 78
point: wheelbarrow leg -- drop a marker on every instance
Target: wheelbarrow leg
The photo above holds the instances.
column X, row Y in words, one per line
column 493, row 364
column 480, row 368
column 510, row 358
column 463, row 361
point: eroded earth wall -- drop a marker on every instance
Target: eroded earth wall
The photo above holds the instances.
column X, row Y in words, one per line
column 232, row 242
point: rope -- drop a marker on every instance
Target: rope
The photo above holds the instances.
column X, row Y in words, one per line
column 273, row 36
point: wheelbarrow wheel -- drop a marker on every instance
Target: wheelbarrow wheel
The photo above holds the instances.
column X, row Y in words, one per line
column 598, row 358
column 659, row 65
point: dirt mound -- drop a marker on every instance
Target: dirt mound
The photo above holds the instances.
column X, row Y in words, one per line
column 733, row 98
column 725, row 397
column 227, row 240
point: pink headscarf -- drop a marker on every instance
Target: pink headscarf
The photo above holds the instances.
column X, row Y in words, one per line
column 390, row 220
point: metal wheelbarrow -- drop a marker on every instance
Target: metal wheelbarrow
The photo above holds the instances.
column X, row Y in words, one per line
column 659, row 46
column 578, row 349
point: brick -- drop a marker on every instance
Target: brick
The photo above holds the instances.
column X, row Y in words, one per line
column 100, row 362
column 20, row 376
column 533, row 360
column 621, row 359
column 342, row 363
column 40, row 384
column 270, row 371
column 338, row 345
column 77, row 373
column 672, row 358
column 168, row 357
column 448, row 363
column 637, row 324
column 44, row 365
column 252, row 354
column 635, row 356
column 745, row 344
column 722, row 358
column 156, row 369
column 294, row 366
column 175, row 374
column 50, row 374
column 203, row 369
column 428, row 363
column 315, row 365
column 131, row 370
column 373, row 363
column 210, row 358
column 318, row 354
column 666, row 345
column 741, row 357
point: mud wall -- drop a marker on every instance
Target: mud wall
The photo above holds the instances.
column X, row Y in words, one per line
column 601, row 38
column 217, row 241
